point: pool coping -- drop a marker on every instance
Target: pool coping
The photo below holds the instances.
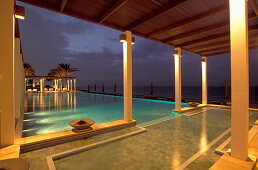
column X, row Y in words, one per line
column 51, row 158
column 251, row 134
column 226, row 161
column 45, row 140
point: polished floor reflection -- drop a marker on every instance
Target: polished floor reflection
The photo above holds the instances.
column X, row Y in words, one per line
column 166, row 145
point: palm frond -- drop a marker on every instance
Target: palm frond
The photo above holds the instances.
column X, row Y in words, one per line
column 28, row 69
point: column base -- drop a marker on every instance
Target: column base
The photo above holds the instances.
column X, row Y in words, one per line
column 229, row 162
column 176, row 110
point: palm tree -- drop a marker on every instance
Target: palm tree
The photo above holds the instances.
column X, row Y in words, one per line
column 55, row 72
column 63, row 70
column 28, row 69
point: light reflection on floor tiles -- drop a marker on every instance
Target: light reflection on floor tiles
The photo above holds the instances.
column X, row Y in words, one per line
column 37, row 158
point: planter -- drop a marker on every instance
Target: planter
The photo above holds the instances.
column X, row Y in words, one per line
column 80, row 124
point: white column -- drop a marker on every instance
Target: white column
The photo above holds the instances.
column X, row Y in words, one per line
column 41, row 85
column 25, row 84
column 61, row 85
column 204, row 80
column 239, row 78
column 7, row 104
column 75, row 85
column 55, row 84
column 127, row 68
column 68, row 85
column 177, row 58
column 71, row 85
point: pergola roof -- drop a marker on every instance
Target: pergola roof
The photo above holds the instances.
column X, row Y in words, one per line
column 48, row 77
column 200, row 27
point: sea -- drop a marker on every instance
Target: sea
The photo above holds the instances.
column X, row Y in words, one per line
column 194, row 93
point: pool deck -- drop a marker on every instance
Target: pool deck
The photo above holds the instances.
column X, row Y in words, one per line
column 228, row 162
column 189, row 108
column 9, row 152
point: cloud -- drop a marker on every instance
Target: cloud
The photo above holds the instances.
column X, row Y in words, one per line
column 78, row 28
column 113, row 39
column 44, row 39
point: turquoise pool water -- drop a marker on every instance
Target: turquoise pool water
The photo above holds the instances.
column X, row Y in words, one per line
column 51, row 112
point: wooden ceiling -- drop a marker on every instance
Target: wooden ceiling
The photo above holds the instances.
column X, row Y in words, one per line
column 200, row 27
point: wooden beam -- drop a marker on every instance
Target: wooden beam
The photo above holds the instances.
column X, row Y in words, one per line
column 187, row 21
column 252, row 41
column 209, row 38
column 200, row 30
column 62, row 5
column 218, row 53
column 254, row 5
column 205, row 46
column 195, row 32
column 155, row 14
column 251, row 47
column 223, row 48
column 197, row 49
column 159, row 41
column 118, row 4
column 212, row 37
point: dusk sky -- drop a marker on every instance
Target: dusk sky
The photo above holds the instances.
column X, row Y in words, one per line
column 50, row 38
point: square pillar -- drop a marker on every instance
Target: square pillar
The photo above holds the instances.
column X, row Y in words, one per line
column 127, row 71
column 55, row 85
column 204, row 80
column 177, row 58
column 74, row 84
column 61, row 85
column 7, row 103
column 71, row 85
column 68, row 85
column 41, row 85
column 239, row 78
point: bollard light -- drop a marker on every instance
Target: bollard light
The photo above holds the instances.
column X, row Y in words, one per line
column 19, row 12
column 123, row 39
column 177, row 52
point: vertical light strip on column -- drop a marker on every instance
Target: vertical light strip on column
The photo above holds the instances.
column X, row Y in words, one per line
column 204, row 80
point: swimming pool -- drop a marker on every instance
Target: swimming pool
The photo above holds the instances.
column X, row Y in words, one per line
column 51, row 112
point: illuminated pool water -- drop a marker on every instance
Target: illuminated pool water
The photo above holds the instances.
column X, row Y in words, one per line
column 51, row 112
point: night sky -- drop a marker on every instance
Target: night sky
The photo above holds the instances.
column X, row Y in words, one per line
column 50, row 38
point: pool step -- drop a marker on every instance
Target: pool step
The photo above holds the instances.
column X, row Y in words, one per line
column 45, row 140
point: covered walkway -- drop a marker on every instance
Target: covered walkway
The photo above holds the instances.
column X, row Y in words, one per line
column 204, row 28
